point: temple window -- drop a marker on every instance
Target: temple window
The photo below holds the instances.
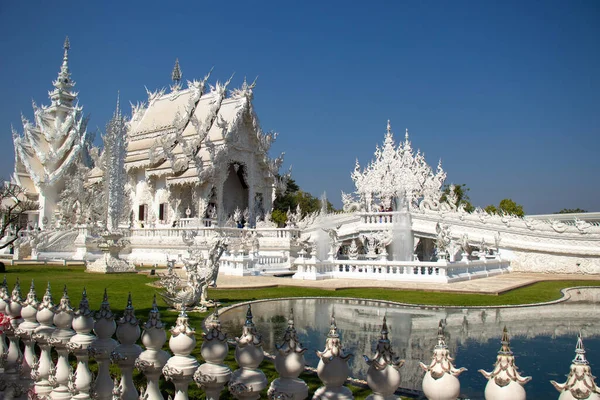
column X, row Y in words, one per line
column 162, row 211
column 142, row 212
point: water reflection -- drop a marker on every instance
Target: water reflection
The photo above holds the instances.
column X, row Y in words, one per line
column 542, row 337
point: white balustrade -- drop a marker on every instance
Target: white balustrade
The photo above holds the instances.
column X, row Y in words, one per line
column 51, row 327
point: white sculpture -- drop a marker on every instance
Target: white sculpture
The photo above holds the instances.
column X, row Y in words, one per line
column 42, row 336
column 505, row 381
column 181, row 367
column 289, row 363
column 102, row 348
column 213, row 375
column 57, row 140
column 580, row 384
column 152, row 360
column 63, row 319
column 383, row 376
column 194, row 294
column 248, row 381
column 396, row 172
column 441, row 377
column 333, row 367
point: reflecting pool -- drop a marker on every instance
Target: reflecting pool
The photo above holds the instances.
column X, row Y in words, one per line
column 543, row 338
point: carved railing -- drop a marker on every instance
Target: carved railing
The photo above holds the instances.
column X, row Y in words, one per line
column 38, row 326
column 409, row 271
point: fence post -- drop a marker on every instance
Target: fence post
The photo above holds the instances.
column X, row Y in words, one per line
column 42, row 335
column 333, row 367
column 441, row 377
column 248, row 381
column 102, row 347
column 153, row 359
column 289, row 363
column 383, row 376
column 63, row 318
column 125, row 354
column 13, row 355
column 83, row 323
column 213, row 374
column 181, row 367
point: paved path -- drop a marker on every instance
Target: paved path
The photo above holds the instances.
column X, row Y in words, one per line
column 493, row 285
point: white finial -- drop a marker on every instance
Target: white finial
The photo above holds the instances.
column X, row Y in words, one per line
column 406, row 135
column 389, row 127
column 176, row 74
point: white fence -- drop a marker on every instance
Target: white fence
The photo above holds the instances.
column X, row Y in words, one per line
column 409, row 271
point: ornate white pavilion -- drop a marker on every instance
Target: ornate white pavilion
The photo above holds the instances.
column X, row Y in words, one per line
column 197, row 166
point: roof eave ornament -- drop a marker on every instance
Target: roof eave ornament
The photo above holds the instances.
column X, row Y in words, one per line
column 176, row 76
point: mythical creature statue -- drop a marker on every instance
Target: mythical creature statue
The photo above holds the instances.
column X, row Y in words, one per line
column 334, row 242
column 192, row 294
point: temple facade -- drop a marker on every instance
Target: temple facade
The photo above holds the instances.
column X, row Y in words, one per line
column 197, row 152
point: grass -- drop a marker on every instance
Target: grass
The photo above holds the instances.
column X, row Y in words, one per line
column 118, row 287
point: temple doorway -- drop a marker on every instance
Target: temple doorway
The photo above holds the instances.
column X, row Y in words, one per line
column 235, row 189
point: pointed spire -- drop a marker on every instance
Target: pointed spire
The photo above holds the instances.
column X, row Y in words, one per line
column 154, row 317
column 406, row 135
column 441, row 336
column 65, row 302
column 249, row 316
column 84, row 306
column 291, row 319
column 176, row 74
column 580, row 352
column 384, row 329
column 333, row 333
column 62, row 95
column 105, row 312
column 16, row 295
column 129, row 314
column 505, row 341
column 47, row 301
column 118, row 108
column 389, row 128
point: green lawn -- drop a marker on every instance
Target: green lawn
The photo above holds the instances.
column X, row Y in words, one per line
column 119, row 286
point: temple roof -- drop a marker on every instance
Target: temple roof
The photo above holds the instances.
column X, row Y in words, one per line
column 186, row 128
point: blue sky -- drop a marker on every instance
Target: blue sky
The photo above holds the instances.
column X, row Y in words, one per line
column 506, row 93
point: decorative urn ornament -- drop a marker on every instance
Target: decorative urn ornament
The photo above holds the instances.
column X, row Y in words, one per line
column 505, row 382
column 441, row 377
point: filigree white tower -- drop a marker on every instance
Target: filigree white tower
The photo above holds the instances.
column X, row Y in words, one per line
column 51, row 144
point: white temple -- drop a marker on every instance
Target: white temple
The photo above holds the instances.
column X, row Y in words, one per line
column 196, row 152
column 197, row 166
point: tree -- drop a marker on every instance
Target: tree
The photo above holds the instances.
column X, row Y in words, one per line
column 491, row 209
column 506, row 206
column 13, row 205
column 293, row 197
column 462, row 198
column 571, row 211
